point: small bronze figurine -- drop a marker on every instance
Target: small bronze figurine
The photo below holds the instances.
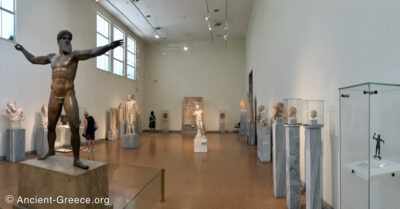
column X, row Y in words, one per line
column 64, row 66
column 378, row 146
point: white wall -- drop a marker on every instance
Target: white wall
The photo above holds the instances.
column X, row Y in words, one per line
column 38, row 23
column 209, row 71
column 310, row 48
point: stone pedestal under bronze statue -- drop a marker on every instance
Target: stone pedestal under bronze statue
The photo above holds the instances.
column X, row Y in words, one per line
column 57, row 178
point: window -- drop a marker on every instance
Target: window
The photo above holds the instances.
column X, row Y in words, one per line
column 103, row 38
column 7, row 26
column 131, row 59
column 118, row 53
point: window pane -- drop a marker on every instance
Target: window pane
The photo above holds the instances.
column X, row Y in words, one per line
column 131, row 73
column 7, row 25
column 101, row 41
column 102, row 26
column 119, row 53
column 131, row 59
column 102, row 63
column 131, row 45
column 8, row 5
column 118, row 68
column 118, row 34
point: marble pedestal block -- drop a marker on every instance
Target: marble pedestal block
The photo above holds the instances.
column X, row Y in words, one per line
column 131, row 141
column 15, row 145
column 121, row 130
column 200, row 144
column 264, row 143
column 251, row 135
column 293, row 166
column 55, row 177
column 279, row 158
column 42, row 145
column 243, row 123
column 112, row 134
column 313, row 167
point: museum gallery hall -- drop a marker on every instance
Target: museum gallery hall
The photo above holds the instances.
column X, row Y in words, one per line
column 199, row 104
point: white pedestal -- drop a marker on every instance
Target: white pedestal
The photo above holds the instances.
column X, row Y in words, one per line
column 264, row 143
column 279, row 158
column 112, row 134
column 313, row 167
column 131, row 141
column 200, row 144
column 293, row 166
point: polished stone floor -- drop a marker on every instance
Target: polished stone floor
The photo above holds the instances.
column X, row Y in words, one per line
column 229, row 176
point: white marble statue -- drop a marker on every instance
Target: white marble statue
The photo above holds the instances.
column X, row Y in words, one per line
column 15, row 115
column 278, row 110
column 113, row 119
column 199, row 120
column 121, row 113
column 131, row 111
column 44, row 114
column 313, row 114
column 262, row 115
column 292, row 115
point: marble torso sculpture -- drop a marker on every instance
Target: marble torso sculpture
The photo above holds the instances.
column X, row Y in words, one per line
column 15, row 115
column 64, row 67
column 44, row 115
column 278, row 110
column 199, row 120
column 113, row 119
column 263, row 116
column 131, row 109
column 121, row 113
column 250, row 112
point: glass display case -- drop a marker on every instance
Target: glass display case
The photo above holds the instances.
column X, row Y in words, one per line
column 313, row 112
column 293, row 110
column 369, row 146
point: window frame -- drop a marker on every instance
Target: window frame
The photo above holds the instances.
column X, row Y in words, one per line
column 108, row 38
column 134, row 55
column 13, row 13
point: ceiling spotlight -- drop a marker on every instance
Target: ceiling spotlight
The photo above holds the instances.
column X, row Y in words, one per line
column 97, row 0
column 157, row 28
column 148, row 16
column 157, row 36
column 216, row 10
column 209, row 28
column 226, row 36
column 185, row 48
column 208, row 18
column 217, row 24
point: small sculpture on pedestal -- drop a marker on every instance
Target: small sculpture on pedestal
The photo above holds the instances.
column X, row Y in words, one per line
column 131, row 109
column 15, row 115
column 313, row 115
column 278, row 110
column 199, row 120
column 44, row 115
column 262, row 116
column 113, row 119
column 378, row 146
column 292, row 115
column 243, row 105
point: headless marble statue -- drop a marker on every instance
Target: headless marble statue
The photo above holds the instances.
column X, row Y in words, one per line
column 131, row 109
column 15, row 115
column 64, row 67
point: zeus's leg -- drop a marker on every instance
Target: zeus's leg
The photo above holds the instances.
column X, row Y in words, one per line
column 72, row 111
column 54, row 112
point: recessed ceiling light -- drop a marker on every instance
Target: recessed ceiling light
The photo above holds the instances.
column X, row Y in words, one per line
column 216, row 10
column 157, row 36
column 157, row 28
column 185, row 48
column 148, row 16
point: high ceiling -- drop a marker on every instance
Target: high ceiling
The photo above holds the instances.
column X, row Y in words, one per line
column 182, row 20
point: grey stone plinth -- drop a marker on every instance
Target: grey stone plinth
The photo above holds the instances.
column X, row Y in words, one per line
column 121, row 129
column 15, row 145
column 243, row 123
column 56, row 177
column 112, row 134
column 264, row 143
column 131, row 141
column 293, row 166
column 251, row 135
column 279, row 158
column 200, row 144
column 313, row 167
column 42, row 145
